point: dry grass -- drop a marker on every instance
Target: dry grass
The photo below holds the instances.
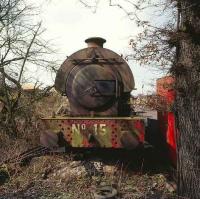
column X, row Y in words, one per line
column 29, row 126
column 61, row 177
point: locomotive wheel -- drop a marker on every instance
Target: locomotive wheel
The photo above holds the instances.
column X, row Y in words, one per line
column 105, row 192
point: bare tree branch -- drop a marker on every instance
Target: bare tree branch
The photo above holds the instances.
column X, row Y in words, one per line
column 20, row 46
column 28, row 51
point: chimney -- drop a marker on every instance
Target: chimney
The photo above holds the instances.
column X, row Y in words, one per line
column 95, row 42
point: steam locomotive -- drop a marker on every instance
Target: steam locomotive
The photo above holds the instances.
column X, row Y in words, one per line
column 97, row 83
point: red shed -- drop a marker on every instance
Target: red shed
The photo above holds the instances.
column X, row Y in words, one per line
column 166, row 119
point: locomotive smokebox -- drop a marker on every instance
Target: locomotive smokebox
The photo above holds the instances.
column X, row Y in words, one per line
column 96, row 81
column 95, row 42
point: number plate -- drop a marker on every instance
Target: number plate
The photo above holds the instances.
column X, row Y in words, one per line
column 98, row 132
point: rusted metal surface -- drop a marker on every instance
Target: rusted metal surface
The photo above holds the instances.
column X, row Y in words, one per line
column 95, row 42
column 87, row 53
column 95, row 132
column 97, row 82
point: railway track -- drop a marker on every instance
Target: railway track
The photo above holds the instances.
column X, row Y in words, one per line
column 27, row 155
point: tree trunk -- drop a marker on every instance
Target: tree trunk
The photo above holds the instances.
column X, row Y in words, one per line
column 188, row 100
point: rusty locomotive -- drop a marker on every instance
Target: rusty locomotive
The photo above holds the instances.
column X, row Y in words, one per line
column 97, row 83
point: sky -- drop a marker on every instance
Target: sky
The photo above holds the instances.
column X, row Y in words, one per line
column 68, row 23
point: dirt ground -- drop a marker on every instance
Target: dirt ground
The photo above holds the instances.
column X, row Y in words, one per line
column 63, row 176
